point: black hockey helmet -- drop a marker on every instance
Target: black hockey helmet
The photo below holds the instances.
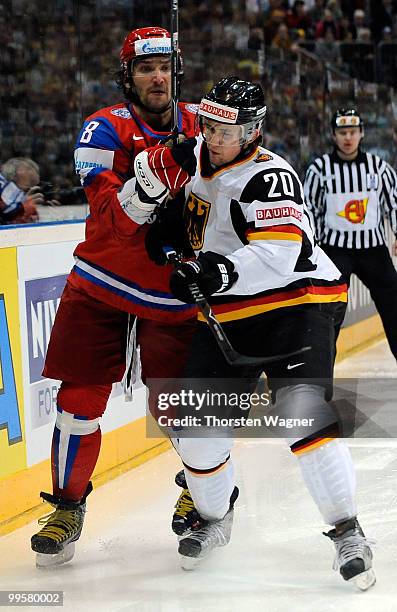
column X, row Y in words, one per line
column 344, row 118
column 235, row 102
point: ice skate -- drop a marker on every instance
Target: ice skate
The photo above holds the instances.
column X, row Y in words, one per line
column 185, row 518
column 55, row 542
column 197, row 544
column 353, row 554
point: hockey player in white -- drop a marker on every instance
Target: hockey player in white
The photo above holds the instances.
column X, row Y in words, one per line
column 270, row 286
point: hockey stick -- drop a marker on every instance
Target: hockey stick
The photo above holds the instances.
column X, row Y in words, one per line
column 232, row 357
column 174, row 68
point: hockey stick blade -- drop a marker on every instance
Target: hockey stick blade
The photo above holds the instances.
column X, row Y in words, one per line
column 230, row 354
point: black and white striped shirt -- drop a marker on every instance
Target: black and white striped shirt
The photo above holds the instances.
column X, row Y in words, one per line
column 349, row 200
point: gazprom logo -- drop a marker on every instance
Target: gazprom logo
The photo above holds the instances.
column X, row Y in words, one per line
column 148, row 48
column 153, row 46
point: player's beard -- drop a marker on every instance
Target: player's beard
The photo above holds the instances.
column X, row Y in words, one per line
column 156, row 110
column 153, row 108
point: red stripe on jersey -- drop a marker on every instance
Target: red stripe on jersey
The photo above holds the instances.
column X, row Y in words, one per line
column 289, row 228
column 280, row 297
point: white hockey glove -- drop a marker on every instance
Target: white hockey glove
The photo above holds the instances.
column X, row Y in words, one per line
column 140, row 195
column 160, row 171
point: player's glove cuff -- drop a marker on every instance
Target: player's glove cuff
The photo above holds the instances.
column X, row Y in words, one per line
column 136, row 203
column 147, row 180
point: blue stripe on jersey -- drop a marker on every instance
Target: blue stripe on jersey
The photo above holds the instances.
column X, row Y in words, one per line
column 92, row 175
column 120, row 279
column 127, row 296
column 148, row 131
column 102, row 137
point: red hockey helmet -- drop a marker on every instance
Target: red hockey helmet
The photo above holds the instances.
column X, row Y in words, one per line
column 144, row 42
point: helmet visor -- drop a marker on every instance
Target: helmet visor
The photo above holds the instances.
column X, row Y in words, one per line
column 226, row 134
column 220, row 133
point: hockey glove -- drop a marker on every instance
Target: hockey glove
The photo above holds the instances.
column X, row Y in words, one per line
column 213, row 273
column 183, row 152
column 168, row 230
column 167, row 168
column 157, row 175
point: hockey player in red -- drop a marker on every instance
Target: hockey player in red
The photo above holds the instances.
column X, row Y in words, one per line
column 113, row 276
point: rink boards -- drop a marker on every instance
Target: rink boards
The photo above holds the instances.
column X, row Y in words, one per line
column 34, row 263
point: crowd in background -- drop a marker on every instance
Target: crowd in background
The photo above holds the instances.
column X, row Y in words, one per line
column 58, row 59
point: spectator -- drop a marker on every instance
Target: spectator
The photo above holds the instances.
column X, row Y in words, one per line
column 327, row 23
column 298, row 19
column 358, row 22
column 282, row 40
column 364, row 36
column 327, row 48
column 256, row 38
column 272, row 24
column 334, row 7
column 383, row 15
column 387, row 35
column 19, row 195
column 316, row 13
column 237, row 31
column 345, row 29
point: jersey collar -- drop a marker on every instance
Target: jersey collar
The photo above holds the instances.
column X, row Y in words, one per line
column 207, row 171
column 358, row 159
column 145, row 127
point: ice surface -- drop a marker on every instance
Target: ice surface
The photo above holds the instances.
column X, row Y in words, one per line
column 277, row 559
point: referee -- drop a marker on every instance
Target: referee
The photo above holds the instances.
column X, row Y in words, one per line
column 349, row 193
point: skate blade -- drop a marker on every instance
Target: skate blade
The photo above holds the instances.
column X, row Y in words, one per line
column 364, row 580
column 189, row 564
column 45, row 561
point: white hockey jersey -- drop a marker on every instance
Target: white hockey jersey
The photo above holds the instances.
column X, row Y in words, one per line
column 252, row 211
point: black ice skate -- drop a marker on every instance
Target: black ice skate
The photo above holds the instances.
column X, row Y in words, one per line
column 353, row 554
column 55, row 542
column 199, row 543
column 185, row 518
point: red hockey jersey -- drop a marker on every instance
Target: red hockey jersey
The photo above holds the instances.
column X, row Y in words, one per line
column 112, row 264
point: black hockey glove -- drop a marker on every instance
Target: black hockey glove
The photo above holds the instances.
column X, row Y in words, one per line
column 156, row 238
column 168, row 230
column 210, row 271
column 183, row 152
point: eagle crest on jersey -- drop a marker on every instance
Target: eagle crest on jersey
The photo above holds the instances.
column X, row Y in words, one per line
column 196, row 215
